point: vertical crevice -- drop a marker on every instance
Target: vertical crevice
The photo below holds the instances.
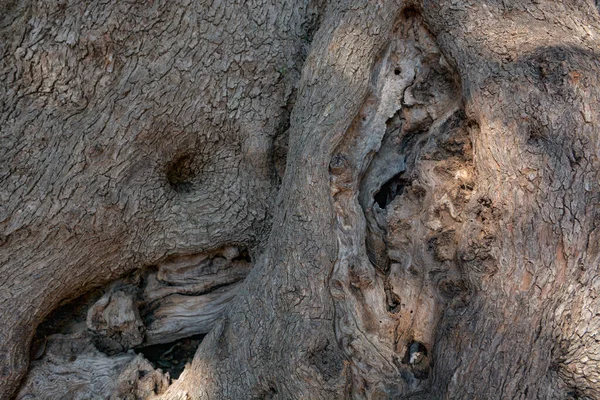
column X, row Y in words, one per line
column 397, row 262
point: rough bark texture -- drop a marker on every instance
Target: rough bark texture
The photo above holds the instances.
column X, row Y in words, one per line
column 132, row 131
column 530, row 81
column 433, row 233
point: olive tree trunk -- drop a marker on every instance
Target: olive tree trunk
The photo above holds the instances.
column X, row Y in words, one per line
column 352, row 199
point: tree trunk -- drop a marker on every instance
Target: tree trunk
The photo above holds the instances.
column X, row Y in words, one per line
column 409, row 191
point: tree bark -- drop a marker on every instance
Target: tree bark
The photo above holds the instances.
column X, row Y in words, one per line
column 432, row 234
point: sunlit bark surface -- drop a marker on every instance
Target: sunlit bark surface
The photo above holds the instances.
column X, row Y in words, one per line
column 350, row 199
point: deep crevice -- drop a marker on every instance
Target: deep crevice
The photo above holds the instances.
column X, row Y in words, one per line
column 243, row 256
column 391, row 189
column 394, row 302
column 73, row 317
column 172, row 357
column 413, row 349
column 67, row 318
column 281, row 140
column 417, row 357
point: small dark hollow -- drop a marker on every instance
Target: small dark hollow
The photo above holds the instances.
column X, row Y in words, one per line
column 180, row 173
column 410, row 12
column 243, row 256
column 172, row 357
column 485, row 201
column 575, row 394
column 394, row 302
column 392, row 188
column 413, row 270
column 338, row 163
column 413, row 348
column 269, row 394
column 397, row 71
column 416, row 356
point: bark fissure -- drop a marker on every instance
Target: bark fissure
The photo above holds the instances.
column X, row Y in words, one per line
column 161, row 312
column 435, row 218
column 401, row 181
column 133, row 132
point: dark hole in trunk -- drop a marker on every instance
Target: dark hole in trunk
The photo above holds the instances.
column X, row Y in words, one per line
column 413, row 350
column 393, row 301
column 180, row 173
column 172, row 357
column 416, row 356
column 244, row 256
column 392, row 188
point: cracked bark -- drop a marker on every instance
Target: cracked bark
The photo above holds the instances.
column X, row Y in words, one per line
column 433, row 233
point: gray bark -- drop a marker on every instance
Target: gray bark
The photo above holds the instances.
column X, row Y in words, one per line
column 432, row 234
column 132, row 132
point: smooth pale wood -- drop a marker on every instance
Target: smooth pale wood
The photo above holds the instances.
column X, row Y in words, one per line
column 178, row 316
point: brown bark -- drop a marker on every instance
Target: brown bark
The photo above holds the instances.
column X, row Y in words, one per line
column 434, row 234
column 131, row 132
column 529, row 79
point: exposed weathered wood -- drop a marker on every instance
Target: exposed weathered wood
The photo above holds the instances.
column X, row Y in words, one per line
column 178, row 316
column 189, row 294
column 130, row 132
column 400, row 182
column 188, row 299
column 140, row 381
column 196, row 274
column 442, row 159
column 72, row 368
column 115, row 320
column 186, row 296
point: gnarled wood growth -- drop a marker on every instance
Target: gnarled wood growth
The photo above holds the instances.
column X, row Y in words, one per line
column 402, row 183
column 443, row 159
column 180, row 298
column 72, row 368
column 132, row 132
